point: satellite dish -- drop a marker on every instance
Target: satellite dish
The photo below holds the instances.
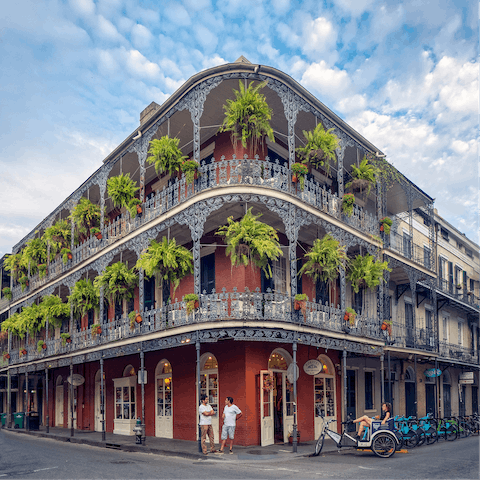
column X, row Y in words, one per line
column 77, row 379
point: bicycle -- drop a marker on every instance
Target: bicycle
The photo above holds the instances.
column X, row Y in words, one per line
column 382, row 441
column 463, row 428
column 429, row 426
column 409, row 436
column 446, row 429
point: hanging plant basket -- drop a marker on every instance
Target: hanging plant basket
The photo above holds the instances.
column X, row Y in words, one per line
column 387, row 325
column 192, row 303
column 385, row 225
column 6, row 356
column 23, row 352
column 139, row 210
column 96, row 330
column 300, row 303
column 350, row 315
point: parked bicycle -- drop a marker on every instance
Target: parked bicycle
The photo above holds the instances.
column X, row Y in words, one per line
column 429, row 426
column 446, row 429
column 381, row 439
column 405, row 432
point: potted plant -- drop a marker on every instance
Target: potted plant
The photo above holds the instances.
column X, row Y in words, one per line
column 247, row 118
column 191, row 299
column 385, row 225
column 363, row 177
column 167, row 259
column 300, row 303
column 34, row 253
column 23, row 352
column 66, row 338
column 250, row 241
column 97, row 232
column 320, row 148
column 165, row 155
column 459, row 286
column 118, row 282
column 14, row 264
column 42, row 270
column 365, row 271
column 23, row 280
column 190, row 169
column 134, row 318
column 85, row 215
column 387, row 325
column 41, row 345
column 299, row 171
column 66, row 254
column 350, row 315
column 122, row 190
column 96, row 330
column 84, row 297
column 58, row 236
column 6, row 356
column 324, row 260
column 290, row 436
column 348, row 202
column 7, row 293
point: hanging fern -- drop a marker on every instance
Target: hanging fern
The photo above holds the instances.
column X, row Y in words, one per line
column 16, row 325
column 365, row 271
column 58, row 236
column 320, row 148
column 13, row 264
column 363, row 176
column 34, row 253
column 118, row 282
column 55, row 310
column 387, row 173
column 324, row 260
column 122, row 190
column 84, row 297
column 250, row 241
column 247, row 118
column 165, row 155
column 170, row 261
column 85, row 215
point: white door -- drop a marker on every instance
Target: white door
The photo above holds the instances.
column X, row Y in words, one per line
column 288, row 406
column 324, row 398
column 266, row 408
column 164, row 407
column 209, row 386
column 98, row 410
column 59, row 406
column 74, row 408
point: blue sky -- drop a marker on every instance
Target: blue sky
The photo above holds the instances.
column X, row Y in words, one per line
column 75, row 75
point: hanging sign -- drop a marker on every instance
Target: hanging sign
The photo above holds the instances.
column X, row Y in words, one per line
column 77, row 379
column 142, row 377
column 312, row 367
column 467, row 376
column 432, row 372
column 291, row 372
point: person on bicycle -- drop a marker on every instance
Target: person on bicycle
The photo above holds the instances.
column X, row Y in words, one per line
column 366, row 421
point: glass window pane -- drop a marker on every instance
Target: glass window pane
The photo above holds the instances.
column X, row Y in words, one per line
column 125, row 394
column 133, row 410
column 132, row 394
column 118, row 394
column 118, row 411
column 126, row 411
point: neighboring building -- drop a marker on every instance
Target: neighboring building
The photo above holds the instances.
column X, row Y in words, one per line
column 245, row 333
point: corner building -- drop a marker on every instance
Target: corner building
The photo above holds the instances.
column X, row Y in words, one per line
column 245, row 334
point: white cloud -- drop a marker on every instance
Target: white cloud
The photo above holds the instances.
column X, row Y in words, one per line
column 206, row 38
column 355, row 7
column 319, row 36
column 177, row 14
column 107, row 31
column 332, row 83
column 83, row 7
column 141, row 36
column 140, row 66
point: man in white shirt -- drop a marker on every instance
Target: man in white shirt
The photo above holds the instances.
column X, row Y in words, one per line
column 231, row 413
column 206, row 412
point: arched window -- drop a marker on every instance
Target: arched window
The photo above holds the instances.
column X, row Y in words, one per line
column 409, row 375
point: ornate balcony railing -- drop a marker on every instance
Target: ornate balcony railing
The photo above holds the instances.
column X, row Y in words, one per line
column 252, row 172
column 458, row 352
column 461, row 294
column 422, row 338
column 214, row 307
column 406, row 248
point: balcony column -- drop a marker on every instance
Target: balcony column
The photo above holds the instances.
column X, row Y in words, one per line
column 101, row 306
column 343, row 286
column 102, row 183
column 139, row 246
column 72, row 227
column 344, row 142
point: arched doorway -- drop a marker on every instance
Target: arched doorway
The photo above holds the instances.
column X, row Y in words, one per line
column 276, row 402
column 98, row 401
column 59, row 402
column 430, row 395
column 209, row 387
column 125, row 402
column 447, row 398
column 164, row 400
column 324, row 393
column 410, row 385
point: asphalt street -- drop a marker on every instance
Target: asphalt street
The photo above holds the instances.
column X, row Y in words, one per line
column 24, row 456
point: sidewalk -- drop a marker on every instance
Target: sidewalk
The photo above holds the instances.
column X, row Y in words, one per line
column 180, row 448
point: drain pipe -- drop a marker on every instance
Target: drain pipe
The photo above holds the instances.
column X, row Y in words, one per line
column 382, row 374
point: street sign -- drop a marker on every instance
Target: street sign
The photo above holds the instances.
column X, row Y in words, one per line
column 466, row 381
column 77, row 379
column 290, row 372
column 432, row 372
column 142, row 378
column 467, row 376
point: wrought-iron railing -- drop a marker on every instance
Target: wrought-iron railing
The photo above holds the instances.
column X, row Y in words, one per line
column 256, row 172
column 408, row 249
column 458, row 352
column 214, row 307
column 418, row 338
column 462, row 294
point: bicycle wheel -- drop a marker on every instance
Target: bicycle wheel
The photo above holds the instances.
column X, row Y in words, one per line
column 465, row 430
column 421, row 436
column 451, row 433
column 432, row 436
column 400, row 439
column 383, row 445
column 411, row 439
column 319, row 445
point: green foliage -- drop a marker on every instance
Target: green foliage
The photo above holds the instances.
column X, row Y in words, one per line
column 14, row 265
column 84, row 297
column 55, row 310
column 301, row 297
column 122, row 190
column 320, row 148
column 365, row 271
column 348, row 202
column 33, row 318
column 165, row 155
column 190, row 299
column 85, row 215
column 15, row 325
column 118, row 282
column 363, row 176
column 250, row 241
column 300, row 170
column 7, row 293
column 40, row 345
column 96, row 329
column 324, row 260
column 64, row 337
column 189, row 168
column 386, row 222
column 58, row 236
column 167, row 259
column 34, row 253
column 386, row 173
column 23, row 280
column 65, row 252
column 350, row 315
column 247, row 118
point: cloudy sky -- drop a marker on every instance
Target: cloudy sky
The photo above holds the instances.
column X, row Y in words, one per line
column 75, row 74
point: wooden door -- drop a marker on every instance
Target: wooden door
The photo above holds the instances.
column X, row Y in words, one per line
column 59, row 406
column 266, row 409
column 164, row 407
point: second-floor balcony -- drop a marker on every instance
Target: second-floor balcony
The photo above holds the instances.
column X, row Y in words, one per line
column 459, row 292
column 458, row 352
column 212, row 175
column 216, row 308
column 404, row 245
column 420, row 336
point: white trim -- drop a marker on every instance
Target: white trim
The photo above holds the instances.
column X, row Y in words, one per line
column 407, row 300
column 443, row 257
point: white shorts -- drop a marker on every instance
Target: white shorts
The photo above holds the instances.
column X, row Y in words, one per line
column 228, row 432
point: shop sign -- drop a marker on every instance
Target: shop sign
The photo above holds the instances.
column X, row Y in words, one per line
column 77, row 379
column 312, row 367
column 468, row 381
column 432, row 372
column 466, row 376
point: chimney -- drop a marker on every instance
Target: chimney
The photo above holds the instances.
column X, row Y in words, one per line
column 148, row 112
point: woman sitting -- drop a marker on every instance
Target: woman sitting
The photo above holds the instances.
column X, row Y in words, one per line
column 367, row 421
